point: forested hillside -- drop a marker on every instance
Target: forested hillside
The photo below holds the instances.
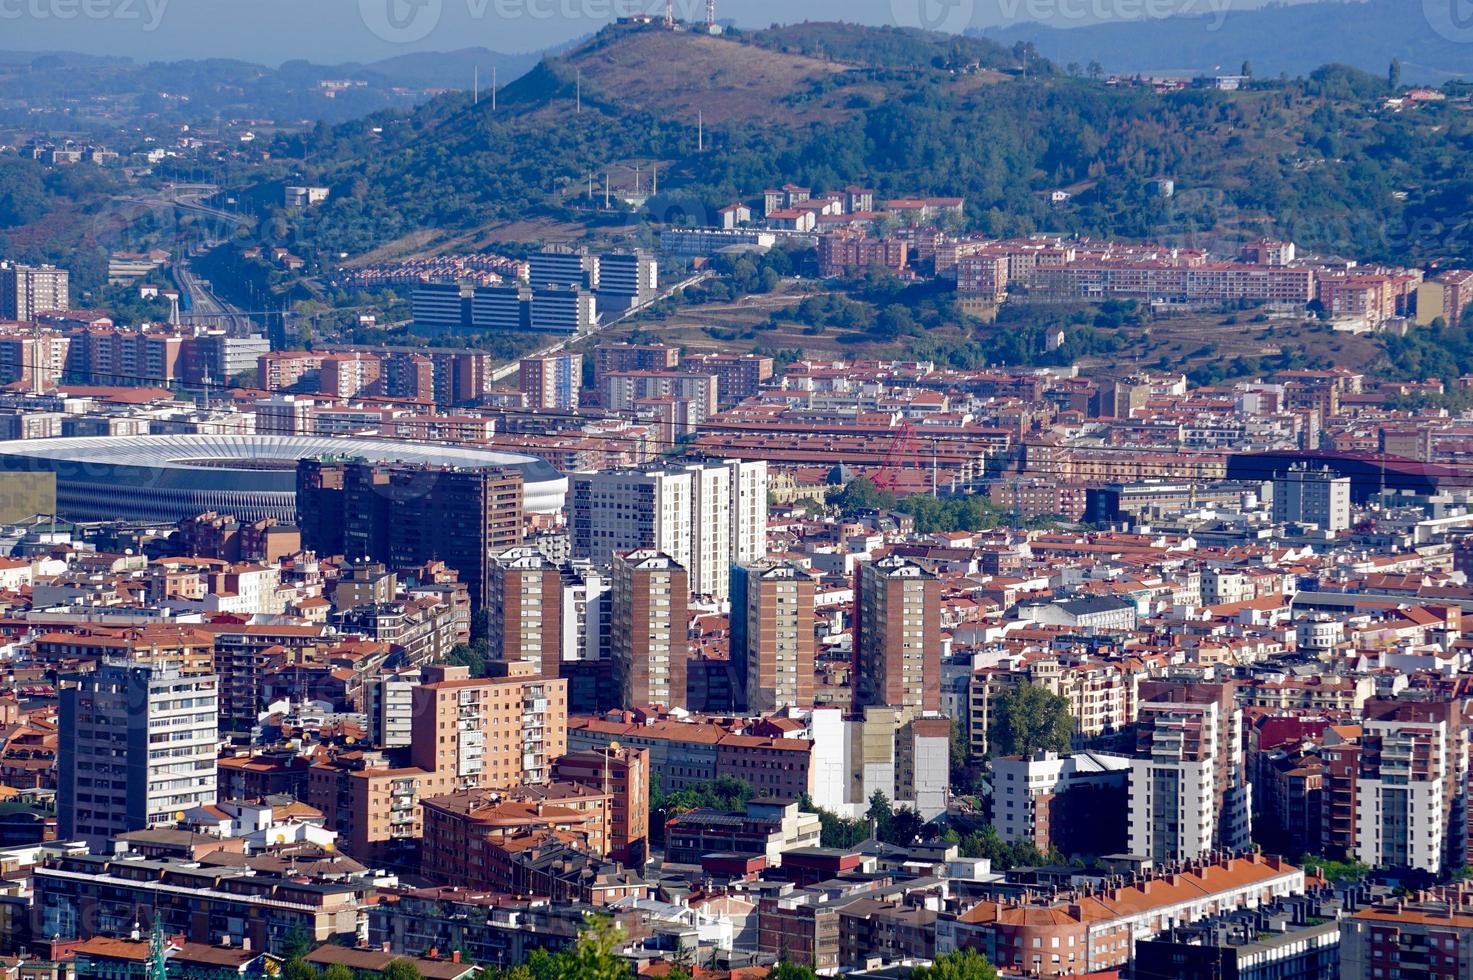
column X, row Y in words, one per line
column 1318, row 159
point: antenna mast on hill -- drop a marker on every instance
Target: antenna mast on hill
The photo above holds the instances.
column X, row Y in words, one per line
column 710, row 16
column 669, row 15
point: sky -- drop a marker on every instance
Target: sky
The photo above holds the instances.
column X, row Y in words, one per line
column 335, row 31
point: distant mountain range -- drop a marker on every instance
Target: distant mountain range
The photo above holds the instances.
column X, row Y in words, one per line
column 1293, row 40
column 69, row 92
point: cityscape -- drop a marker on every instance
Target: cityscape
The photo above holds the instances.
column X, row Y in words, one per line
column 713, row 498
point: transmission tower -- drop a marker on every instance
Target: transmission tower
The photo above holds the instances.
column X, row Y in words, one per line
column 710, row 16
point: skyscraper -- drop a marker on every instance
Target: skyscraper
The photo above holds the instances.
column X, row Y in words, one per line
column 137, row 747
column 649, row 630
column 897, row 636
column 404, row 516
column 772, row 634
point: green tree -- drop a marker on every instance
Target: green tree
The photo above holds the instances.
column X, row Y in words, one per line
column 298, row 944
column 862, row 494
column 791, row 971
column 1393, row 75
column 595, row 956
column 881, row 815
column 337, row 972
column 964, row 964
column 402, row 969
column 297, row 968
column 1027, row 719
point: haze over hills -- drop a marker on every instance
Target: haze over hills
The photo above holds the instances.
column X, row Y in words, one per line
column 71, row 92
column 1291, row 40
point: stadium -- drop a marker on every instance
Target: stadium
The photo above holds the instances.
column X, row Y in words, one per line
column 166, row 479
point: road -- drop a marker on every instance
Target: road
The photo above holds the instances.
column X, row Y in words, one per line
column 207, row 309
column 187, row 197
column 507, row 370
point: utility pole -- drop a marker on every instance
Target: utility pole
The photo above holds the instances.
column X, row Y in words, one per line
column 493, row 88
column 700, row 131
column 606, row 190
column 578, row 94
column 476, row 88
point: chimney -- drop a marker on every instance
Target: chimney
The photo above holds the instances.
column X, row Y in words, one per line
column 455, row 956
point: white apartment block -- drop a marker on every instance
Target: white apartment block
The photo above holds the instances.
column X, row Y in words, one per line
column 1410, row 795
column 1025, row 786
column 1316, row 497
column 707, row 516
column 137, row 747
column 1188, row 791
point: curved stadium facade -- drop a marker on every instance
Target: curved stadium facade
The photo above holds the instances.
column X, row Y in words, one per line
column 170, row 478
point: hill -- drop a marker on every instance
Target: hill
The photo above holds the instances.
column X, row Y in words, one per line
column 1319, row 160
column 1280, row 39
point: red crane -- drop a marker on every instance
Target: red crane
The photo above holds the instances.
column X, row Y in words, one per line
column 904, row 453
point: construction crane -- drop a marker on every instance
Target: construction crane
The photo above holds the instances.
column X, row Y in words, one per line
column 903, row 454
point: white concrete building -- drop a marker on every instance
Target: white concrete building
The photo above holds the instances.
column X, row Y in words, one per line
column 707, row 516
column 1318, row 497
column 137, row 746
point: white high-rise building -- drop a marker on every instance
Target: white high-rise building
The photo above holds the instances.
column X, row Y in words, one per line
column 137, row 747
column 1319, row 497
column 1189, row 791
column 706, row 516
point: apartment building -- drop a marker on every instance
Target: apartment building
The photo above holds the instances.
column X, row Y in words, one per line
column 524, row 601
column 621, row 772
column 1410, row 787
column 897, row 636
column 625, row 390
column 137, row 746
column 649, row 629
column 84, row 895
column 705, row 516
column 37, row 360
column 1071, row 802
column 1189, row 791
column 28, row 290
column 349, row 376
column 1083, row 933
column 280, row 370
column 486, row 733
column 772, row 635
column 552, row 381
column 465, row 833
column 1419, row 937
